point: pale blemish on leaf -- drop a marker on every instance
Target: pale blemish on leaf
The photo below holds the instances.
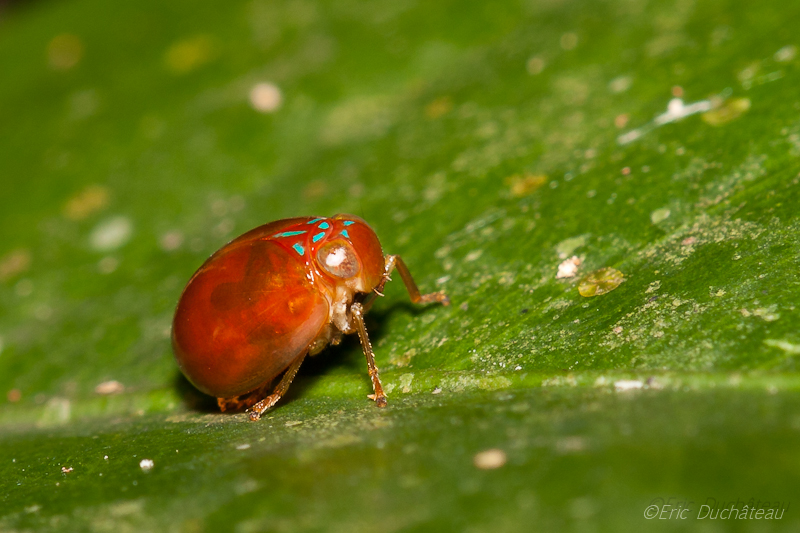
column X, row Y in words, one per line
column 339, row 441
column 654, row 286
column 620, row 84
column 600, row 282
column 57, row 411
column 525, row 184
column 189, row 54
column 727, row 112
column 467, row 382
column 64, row 52
column 785, row 54
column 659, row 215
column 360, row 118
column 90, row 200
column 788, row 347
column 405, row 382
column 111, row 234
column 109, row 387
column 535, row 65
column 14, row 263
column 565, row 248
column 571, row 444
column 439, row 107
column 403, row 359
column 768, row 314
column 473, row 255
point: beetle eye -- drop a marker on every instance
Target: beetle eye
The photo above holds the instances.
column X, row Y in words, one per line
column 339, row 259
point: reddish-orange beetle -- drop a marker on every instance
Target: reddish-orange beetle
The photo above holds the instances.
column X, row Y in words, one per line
column 270, row 297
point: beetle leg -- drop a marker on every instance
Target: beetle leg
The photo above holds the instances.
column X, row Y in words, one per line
column 243, row 401
column 394, row 261
column 357, row 313
column 261, row 407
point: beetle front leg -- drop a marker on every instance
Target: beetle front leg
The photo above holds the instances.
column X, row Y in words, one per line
column 357, row 313
column 394, row 261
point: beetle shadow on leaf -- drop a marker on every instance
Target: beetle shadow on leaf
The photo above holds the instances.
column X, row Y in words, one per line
column 348, row 357
column 192, row 398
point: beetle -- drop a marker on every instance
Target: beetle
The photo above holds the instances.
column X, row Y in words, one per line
column 263, row 302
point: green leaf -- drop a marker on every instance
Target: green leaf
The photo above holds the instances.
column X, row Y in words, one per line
column 506, row 152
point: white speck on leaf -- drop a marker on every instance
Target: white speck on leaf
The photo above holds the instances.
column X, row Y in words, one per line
column 490, row 459
column 111, row 234
column 676, row 110
column 265, row 97
column 568, row 268
column 109, row 387
column 628, row 384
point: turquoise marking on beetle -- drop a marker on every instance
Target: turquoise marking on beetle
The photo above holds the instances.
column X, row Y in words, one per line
column 346, row 235
column 324, row 225
column 299, row 248
column 348, row 222
column 313, row 221
column 318, row 236
column 288, row 233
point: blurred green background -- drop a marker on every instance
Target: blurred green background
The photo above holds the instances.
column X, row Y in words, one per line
column 505, row 150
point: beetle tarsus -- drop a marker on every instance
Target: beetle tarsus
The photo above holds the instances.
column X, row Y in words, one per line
column 434, row 297
column 392, row 262
column 380, row 401
column 264, row 405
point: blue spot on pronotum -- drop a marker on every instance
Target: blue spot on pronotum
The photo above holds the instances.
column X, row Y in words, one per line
column 346, row 235
column 288, row 233
column 348, row 222
column 313, row 221
column 324, row 225
column 299, row 248
column 318, row 236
